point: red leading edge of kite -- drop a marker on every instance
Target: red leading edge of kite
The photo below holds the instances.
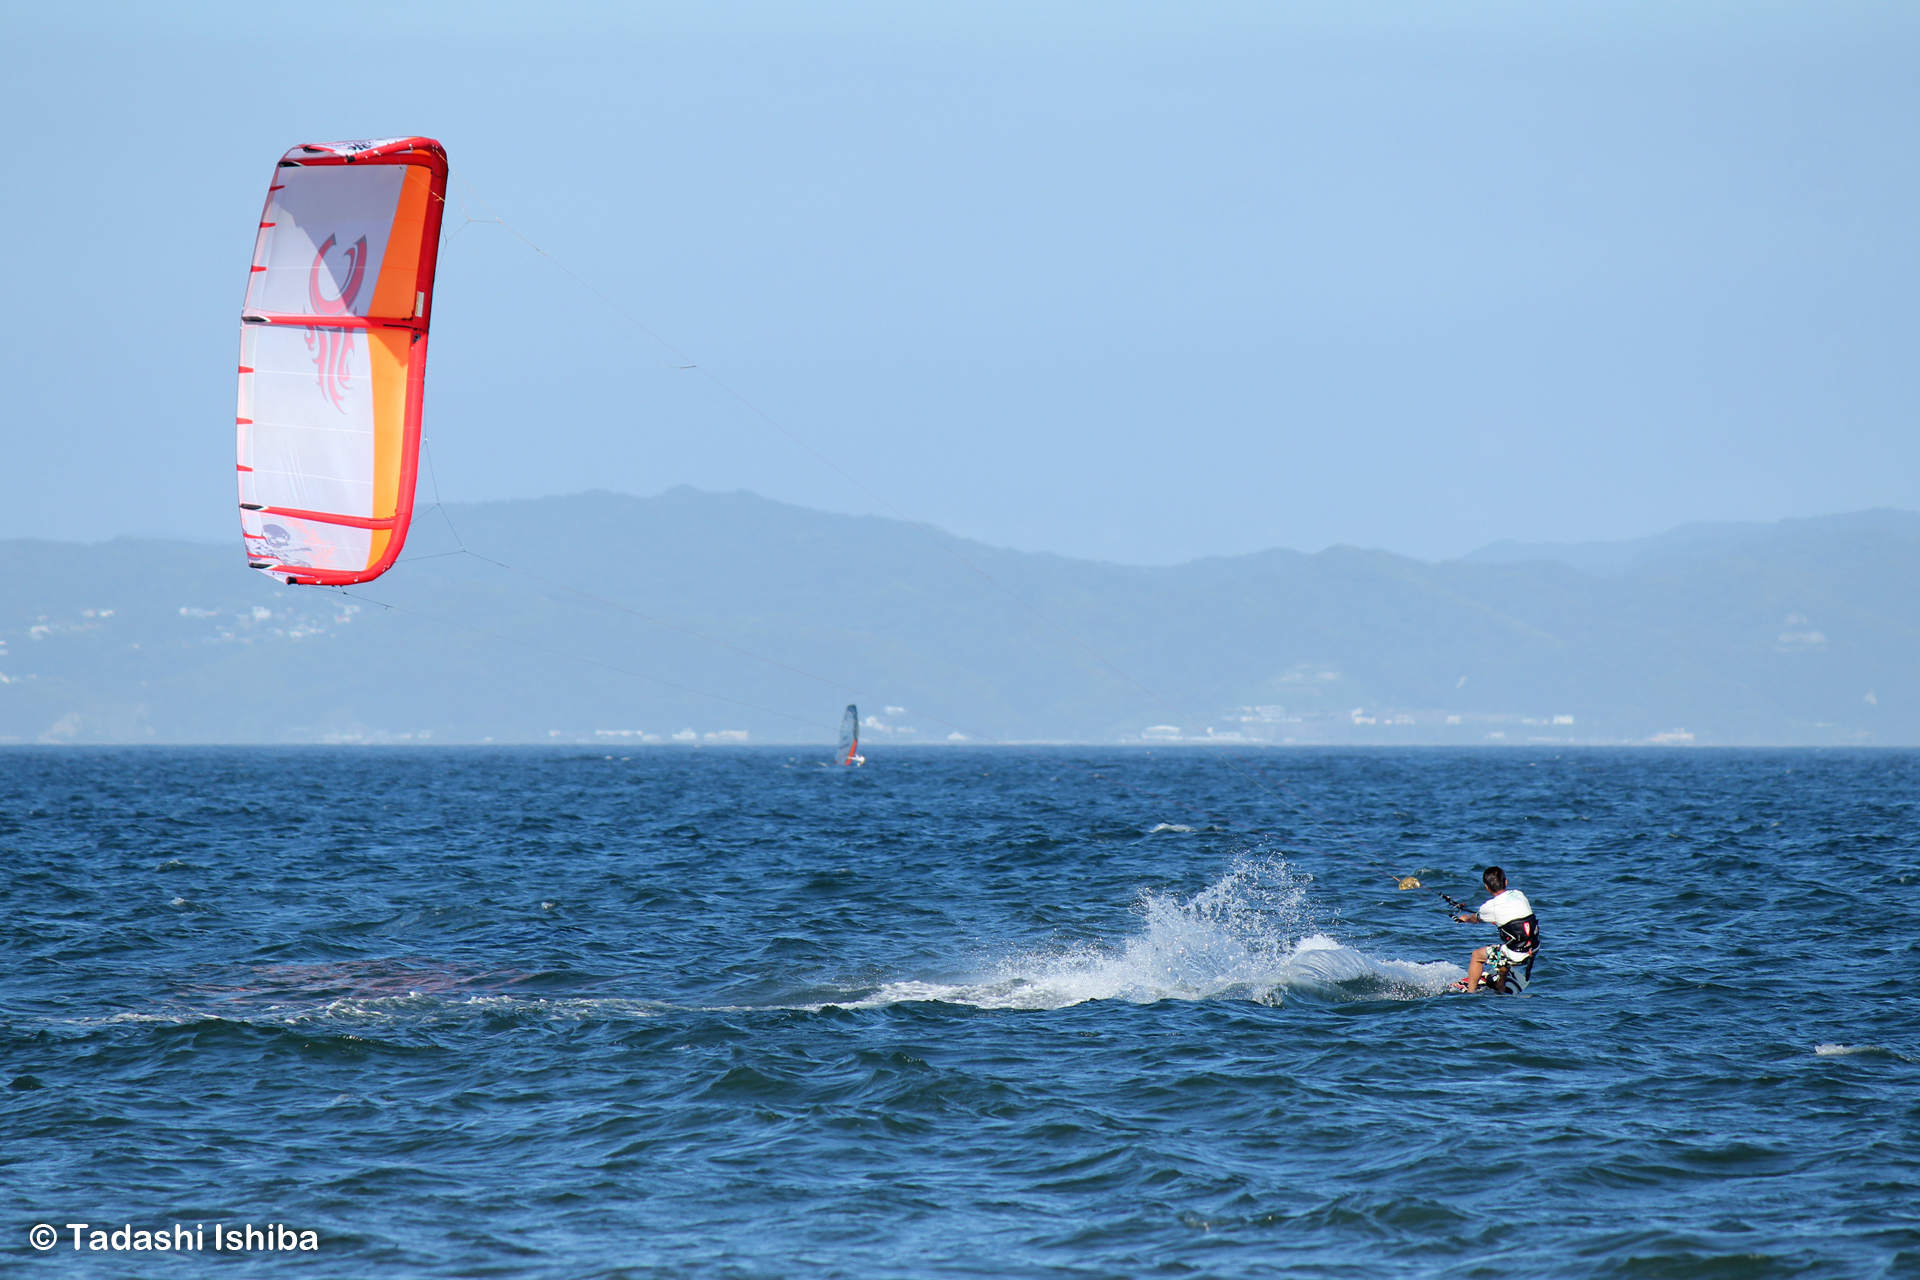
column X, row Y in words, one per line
column 428, row 154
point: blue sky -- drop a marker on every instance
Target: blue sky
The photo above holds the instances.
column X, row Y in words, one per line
column 1137, row 282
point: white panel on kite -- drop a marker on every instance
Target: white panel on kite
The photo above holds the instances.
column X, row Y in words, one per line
column 323, row 238
column 310, row 442
column 304, row 544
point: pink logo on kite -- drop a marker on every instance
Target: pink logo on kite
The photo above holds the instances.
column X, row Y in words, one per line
column 333, row 348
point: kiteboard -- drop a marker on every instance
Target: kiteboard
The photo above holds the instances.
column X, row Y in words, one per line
column 1516, row 986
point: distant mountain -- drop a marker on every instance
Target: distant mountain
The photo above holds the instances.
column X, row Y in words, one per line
column 1807, row 631
column 1687, row 541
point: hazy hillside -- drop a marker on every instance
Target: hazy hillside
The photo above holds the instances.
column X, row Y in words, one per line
column 1688, row 541
column 1801, row 632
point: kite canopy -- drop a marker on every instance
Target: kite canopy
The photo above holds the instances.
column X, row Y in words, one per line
column 333, row 357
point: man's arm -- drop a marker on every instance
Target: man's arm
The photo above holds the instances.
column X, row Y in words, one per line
column 1469, row 918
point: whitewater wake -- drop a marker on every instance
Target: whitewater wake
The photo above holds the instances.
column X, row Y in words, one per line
column 1250, row 935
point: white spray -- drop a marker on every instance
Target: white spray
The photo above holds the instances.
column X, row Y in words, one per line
column 1250, row 935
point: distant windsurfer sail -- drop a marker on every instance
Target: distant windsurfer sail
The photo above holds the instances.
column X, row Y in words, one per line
column 333, row 357
column 850, row 737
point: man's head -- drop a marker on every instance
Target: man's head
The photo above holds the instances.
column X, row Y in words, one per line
column 1495, row 879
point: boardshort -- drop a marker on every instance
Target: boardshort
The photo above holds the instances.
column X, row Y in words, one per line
column 1499, row 953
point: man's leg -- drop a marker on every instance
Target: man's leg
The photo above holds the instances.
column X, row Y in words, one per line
column 1474, row 966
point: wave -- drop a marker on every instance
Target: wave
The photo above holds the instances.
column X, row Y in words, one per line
column 416, row 1009
column 376, row 992
column 349, row 979
column 1851, row 1050
column 1249, row 935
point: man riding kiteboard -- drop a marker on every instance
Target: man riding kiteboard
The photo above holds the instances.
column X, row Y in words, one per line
column 1508, row 963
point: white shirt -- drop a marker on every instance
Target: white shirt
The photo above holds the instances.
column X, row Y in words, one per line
column 1506, row 907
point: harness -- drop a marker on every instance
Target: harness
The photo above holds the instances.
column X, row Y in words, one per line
column 1520, row 936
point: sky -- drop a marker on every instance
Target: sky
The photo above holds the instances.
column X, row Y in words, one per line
column 1124, row 281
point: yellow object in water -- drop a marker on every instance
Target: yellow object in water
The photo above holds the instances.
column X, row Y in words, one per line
column 1410, row 882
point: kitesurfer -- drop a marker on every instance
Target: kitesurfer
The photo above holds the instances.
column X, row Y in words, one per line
column 1510, row 960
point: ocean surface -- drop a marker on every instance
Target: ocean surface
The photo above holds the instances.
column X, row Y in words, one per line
column 971, row 1012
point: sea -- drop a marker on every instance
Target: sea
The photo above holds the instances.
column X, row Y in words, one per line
column 997, row 1012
